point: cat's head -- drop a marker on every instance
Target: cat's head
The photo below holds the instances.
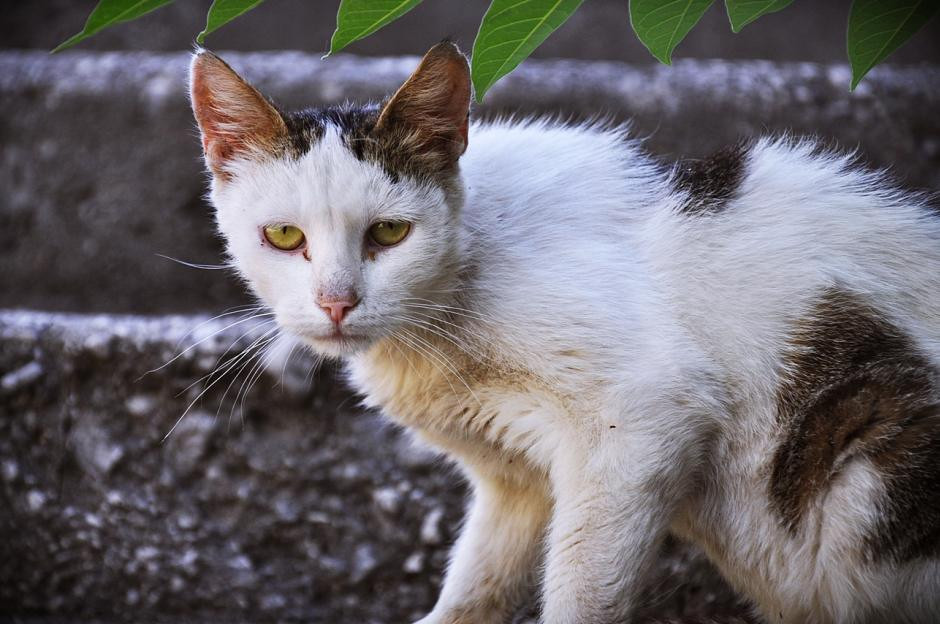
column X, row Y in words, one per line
column 339, row 218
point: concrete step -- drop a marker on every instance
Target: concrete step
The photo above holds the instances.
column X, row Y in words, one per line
column 101, row 168
column 286, row 503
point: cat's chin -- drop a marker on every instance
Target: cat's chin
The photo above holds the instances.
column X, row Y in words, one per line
column 339, row 345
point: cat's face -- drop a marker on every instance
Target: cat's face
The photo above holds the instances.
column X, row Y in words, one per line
column 340, row 219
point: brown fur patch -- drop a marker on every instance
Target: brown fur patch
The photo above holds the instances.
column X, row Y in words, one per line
column 421, row 131
column 711, row 182
column 391, row 148
column 858, row 388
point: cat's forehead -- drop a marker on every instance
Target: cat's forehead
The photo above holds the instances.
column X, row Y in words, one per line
column 327, row 184
column 332, row 182
column 353, row 124
column 394, row 150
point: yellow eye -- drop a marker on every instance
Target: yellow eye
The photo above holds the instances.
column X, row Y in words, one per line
column 388, row 233
column 284, row 237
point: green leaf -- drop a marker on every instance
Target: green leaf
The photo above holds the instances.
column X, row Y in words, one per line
column 108, row 13
column 661, row 26
column 511, row 30
column 359, row 18
column 878, row 27
column 743, row 12
column 224, row 11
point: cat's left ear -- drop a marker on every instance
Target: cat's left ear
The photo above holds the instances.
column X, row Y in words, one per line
column 430, row 113
column 235, row 120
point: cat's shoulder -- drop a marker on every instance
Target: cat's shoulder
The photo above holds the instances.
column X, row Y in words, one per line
column 600, row 151
column 587, row 136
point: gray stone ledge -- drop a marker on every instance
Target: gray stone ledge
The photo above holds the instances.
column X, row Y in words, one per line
column 308, row 510
column 101, row 170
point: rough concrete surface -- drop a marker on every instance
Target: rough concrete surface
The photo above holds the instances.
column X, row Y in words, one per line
column 99, row 160
column 299, row 508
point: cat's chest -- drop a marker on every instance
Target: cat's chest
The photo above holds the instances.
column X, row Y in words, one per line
column 483, row 419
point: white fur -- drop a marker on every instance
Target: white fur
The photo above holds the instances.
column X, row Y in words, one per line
column 598, row 340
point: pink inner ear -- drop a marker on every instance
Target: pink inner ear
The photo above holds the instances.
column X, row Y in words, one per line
column 233, row 117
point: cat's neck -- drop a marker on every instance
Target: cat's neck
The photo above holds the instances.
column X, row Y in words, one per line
column 426, row 367
column 441, row 347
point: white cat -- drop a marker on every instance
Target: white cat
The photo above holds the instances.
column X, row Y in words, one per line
column 744, row 352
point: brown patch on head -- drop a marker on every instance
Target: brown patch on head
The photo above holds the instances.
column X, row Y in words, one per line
column 234, row 118
column 306, row 127
column 856, row 387
column 422, row 129
column 420, row 132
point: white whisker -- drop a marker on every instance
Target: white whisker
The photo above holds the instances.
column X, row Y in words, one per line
column 430, row 305
column 199, row 342
column 261, row 363
column 222, row 368
column 193, row 265
column 200, row 395
column 254, row 350
column 473, row 333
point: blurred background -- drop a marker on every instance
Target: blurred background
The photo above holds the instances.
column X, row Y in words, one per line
column 288, row 502
column 599, row 30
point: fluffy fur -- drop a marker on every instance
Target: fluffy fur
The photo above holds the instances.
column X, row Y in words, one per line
column 744, row 353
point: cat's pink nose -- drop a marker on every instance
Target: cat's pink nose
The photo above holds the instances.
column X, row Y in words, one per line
column 338, row 306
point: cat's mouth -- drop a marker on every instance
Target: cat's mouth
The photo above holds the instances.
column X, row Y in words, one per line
column 338, row 342
column 331, row 341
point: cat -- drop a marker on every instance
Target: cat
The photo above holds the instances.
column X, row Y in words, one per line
column 743, row 351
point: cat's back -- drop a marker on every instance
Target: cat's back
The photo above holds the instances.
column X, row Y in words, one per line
column 541, row 168
column 759, row 236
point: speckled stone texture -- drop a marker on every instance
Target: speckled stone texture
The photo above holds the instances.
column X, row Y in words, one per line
column 291, row 506
column 101, row 169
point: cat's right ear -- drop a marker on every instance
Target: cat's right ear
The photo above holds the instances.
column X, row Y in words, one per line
column 235, row 120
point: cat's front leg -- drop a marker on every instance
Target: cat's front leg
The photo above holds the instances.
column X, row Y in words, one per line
column 613, row 502
column 495, row 558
